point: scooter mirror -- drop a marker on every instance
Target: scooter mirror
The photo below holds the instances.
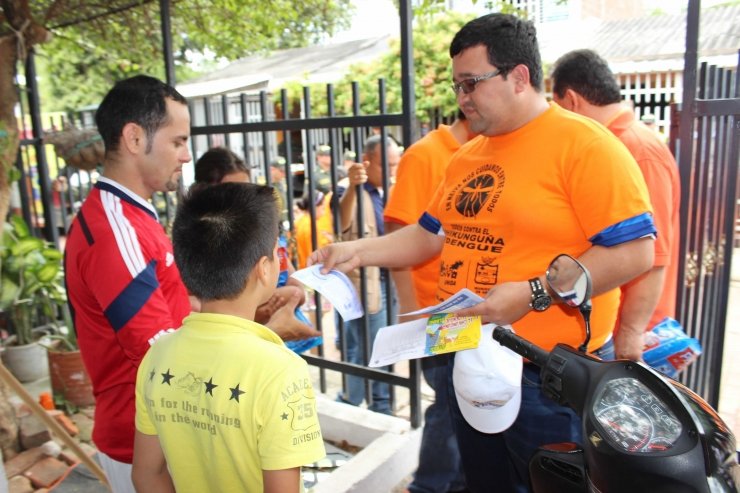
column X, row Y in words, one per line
column 570, row 280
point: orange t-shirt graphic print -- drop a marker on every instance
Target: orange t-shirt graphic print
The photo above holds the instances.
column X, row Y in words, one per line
column 509, row 204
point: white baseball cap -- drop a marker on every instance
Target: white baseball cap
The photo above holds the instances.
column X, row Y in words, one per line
column 488, row 384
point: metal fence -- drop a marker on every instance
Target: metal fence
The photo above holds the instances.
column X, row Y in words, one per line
column 260, row 137
column 248, row 125
column 706, row 138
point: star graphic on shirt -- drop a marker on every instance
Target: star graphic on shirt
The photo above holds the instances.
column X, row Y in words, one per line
column 235, row 393
column 166, row 377
column 151, row 375
column 284, row 416
column 210, row 386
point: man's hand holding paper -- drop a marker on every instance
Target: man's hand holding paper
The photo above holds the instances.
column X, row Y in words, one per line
column 443, row 332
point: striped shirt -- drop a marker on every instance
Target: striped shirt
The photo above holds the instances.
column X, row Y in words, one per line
column 124, row 290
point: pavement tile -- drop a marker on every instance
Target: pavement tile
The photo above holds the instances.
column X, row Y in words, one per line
column 33, row 432
column 23, row 461
column 20, row 484
column 46, row 472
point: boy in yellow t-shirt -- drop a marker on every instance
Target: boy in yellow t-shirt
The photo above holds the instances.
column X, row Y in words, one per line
column 221, row 403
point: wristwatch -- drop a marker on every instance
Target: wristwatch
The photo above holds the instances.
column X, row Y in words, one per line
column 541, row 301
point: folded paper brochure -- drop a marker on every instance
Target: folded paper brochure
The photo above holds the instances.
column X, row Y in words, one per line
column 440, row 333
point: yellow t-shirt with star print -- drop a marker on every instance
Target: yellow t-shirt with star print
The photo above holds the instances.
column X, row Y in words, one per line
column 227, row 400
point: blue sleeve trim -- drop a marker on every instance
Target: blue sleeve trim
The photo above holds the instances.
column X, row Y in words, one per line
column 133, row 298
column 627, row 230
column 430, row 223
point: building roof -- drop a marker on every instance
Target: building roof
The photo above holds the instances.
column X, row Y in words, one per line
column 719, row 34
column 649, row 43
column 320, row 63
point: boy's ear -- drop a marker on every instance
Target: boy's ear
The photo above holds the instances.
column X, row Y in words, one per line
column 263, row 270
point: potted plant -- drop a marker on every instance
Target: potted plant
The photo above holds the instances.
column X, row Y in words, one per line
column 69, row 379
column 35, row 302
column 32, row 291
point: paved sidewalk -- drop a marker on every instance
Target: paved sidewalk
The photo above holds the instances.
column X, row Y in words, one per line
column 729, row 394
column 729, row 404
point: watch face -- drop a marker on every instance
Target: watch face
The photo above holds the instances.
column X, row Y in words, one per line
column 541, row 303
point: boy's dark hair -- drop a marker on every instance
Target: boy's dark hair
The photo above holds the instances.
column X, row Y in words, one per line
column 220, row 233
column 585, row 72
column 509, row 40
column 216, row 163
column 141, row 100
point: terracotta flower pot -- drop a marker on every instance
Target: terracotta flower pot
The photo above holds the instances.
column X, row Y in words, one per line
column 69, row 378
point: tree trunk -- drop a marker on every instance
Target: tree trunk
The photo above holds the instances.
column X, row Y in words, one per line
column 8, row 124
column 8, row 424
column 25, row 33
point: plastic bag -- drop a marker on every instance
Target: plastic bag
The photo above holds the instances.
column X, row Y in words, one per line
column 668, row 349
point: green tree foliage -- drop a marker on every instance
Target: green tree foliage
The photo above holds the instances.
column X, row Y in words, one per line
column 85, row 45
column 432, row 35
column 107, row 47
column 434, row 28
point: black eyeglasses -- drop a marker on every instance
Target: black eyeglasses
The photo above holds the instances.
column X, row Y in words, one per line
column 468, row 85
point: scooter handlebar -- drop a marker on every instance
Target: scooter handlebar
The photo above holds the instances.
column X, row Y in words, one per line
column 520, row 346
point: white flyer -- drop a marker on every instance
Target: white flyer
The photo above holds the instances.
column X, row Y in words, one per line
column 399, row 342
column 420, row 338
column 336, row 287
column 464, row 298
column 410, row 340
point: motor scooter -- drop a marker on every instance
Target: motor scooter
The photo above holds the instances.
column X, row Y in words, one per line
column 642, row 431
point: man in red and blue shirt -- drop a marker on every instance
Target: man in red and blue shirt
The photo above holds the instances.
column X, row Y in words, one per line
column 123, row 285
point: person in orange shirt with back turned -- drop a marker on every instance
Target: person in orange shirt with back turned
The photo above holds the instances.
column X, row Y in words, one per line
column 584, row 84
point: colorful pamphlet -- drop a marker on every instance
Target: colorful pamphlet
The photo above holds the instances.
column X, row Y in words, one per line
column 446, row 333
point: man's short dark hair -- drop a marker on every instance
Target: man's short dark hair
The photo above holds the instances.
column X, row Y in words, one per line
column 141, row 100
column 586, row 73
column 509, row 40
column 220, row 233
column 216, row 163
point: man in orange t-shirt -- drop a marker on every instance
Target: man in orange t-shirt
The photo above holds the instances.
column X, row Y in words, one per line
column 584, row 84
column 420, row 172
column 538, row 181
